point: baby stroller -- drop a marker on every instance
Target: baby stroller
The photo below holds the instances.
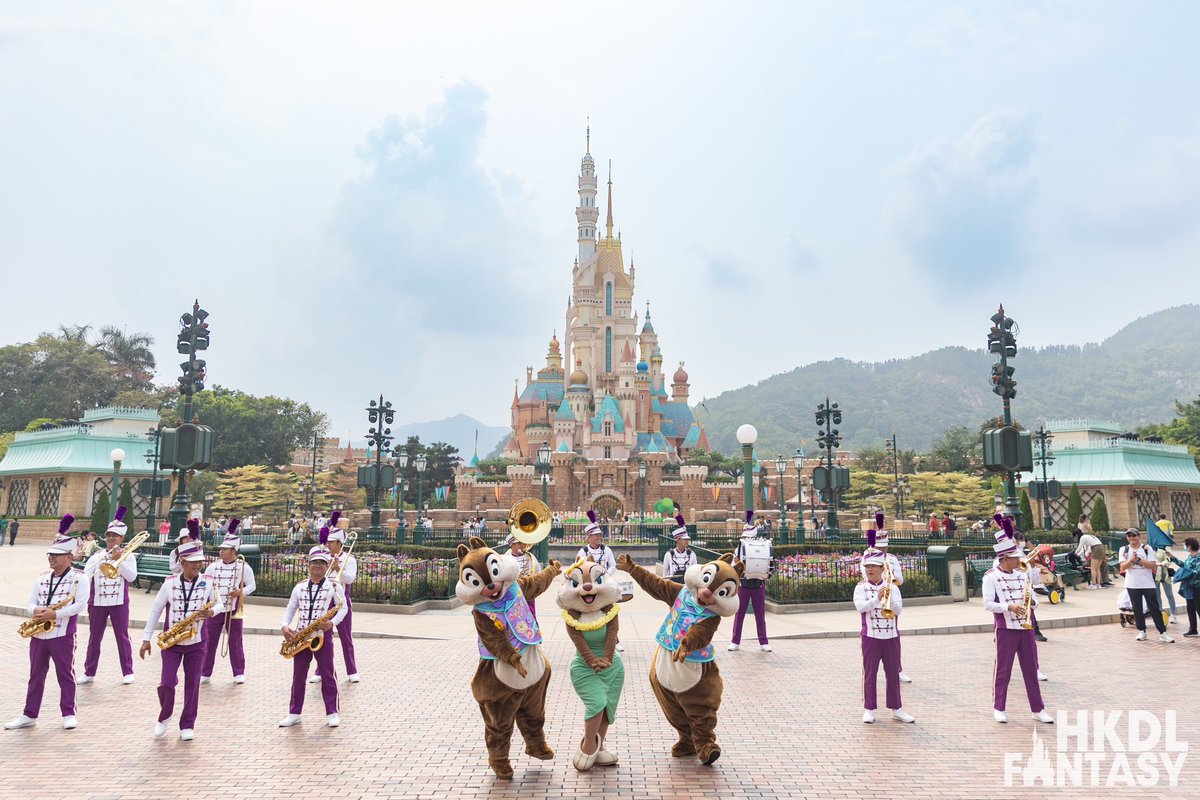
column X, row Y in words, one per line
column 1052, row 585
column 1125, row 606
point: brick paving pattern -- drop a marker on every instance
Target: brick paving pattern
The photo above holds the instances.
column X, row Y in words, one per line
column 790, row 726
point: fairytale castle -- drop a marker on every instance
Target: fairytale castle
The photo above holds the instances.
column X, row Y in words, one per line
column 614, row 403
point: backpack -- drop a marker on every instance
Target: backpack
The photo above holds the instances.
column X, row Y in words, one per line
column 953, row 525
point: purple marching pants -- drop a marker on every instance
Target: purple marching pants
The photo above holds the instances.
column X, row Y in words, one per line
column 745, row 597
column 345, row 632
column 1019, row 643
column 98, row 619
column 327, row 671
column 62, row 652
column 191, row 656
column 887, row 651
column 213, row 627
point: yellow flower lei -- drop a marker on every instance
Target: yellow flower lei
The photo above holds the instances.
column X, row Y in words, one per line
column 591, row 626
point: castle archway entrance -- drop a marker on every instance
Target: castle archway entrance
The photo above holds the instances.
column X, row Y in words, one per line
column 607, row 503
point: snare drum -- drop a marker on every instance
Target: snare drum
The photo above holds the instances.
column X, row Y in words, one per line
column 756, row 553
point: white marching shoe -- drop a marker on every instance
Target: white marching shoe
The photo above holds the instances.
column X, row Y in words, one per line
column 315, row 679
column 1163, row 637
column 733, row 647
column 187, row 734
column 900, row 715
column 20, row 722
column 999, row 716
column 1042, row 676
column 239, row 678
column 289, row 721
column 333, row 720
column 82, row 679
column 904, row 678
column 1141, row 637
column 353, row 678
column 868, row 716
column 584, row 761
column 69, row 723
column 205, row 679
column 1042, row 716
column 160, row 729
column 766, row 648
column 127, row 679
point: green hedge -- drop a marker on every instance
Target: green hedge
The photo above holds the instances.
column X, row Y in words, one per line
column 827, row 590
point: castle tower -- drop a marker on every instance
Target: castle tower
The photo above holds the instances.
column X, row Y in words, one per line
column 586, row 213
column 679, row 385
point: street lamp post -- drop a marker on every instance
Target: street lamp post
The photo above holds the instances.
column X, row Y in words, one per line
column 1002, row 340
column 402, row 459
column 781, row 467
column 208, row 501
column 828, row 415
column 155, row 435
column 191, row 444
column 117, row 455
column 798, row 460
column 420, row 462
column 747, row 435
column 379, row 414
column 1045, row 458
column 642, row 499
column 889, row 446
column 542, row 548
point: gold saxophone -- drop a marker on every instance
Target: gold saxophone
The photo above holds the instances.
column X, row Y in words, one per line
column 184, row 629
column 886, row 603
column 109, row 569
column 32, row 627
column 309, row 637
column 1027, row 597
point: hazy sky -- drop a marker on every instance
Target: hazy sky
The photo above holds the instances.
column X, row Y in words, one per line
column 380, row 198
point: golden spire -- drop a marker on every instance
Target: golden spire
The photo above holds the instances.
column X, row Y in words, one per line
column 609, row 221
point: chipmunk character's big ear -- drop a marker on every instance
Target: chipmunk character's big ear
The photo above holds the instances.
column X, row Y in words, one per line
column 727, row 558
column 476, row 543
column 463, row 552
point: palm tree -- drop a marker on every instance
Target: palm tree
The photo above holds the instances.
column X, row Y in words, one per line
column 74, row 333
column 129, row 354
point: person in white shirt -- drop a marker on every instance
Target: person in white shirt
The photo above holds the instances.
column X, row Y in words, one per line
column 310, row 600
column 1138, row 564
column 181, row 596
column 529, row 564
column 110, row 601
column 1003, row 595
column 880, row 637
column 235, row 582
column 1088, row 545
column 57, row 598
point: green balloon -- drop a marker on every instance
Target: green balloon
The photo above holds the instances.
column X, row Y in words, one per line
column 666, row 506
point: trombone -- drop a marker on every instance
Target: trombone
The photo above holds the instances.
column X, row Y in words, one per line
column 109, row 569
column 344, row 556
column 241, row 605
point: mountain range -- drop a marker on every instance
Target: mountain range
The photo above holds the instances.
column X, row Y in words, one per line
column 1132, row 378
column 458, row 431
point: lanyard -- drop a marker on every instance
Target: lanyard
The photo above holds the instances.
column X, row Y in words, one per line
column 312, row 596
column 54, row 586
column 187, row 593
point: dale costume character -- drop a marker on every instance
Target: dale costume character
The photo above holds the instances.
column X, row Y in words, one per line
column 683, row 675
column 510, row 682
column 589, row 603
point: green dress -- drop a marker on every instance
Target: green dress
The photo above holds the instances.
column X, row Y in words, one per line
column 599, row 691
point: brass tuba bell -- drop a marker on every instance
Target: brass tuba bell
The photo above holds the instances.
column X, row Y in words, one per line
column 529, row 521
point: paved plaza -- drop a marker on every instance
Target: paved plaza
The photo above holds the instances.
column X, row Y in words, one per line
column 790, row 726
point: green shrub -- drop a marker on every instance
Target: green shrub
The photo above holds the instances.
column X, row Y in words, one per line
column 1100, row 516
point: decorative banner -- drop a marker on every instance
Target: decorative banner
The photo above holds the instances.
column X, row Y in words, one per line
column 716, row 493
column 497, row 488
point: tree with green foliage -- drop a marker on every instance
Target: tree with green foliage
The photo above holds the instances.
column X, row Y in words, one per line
column 100, row 514
column 959, row 449
column 126, row 499
column 253, row 489
column 53, row 378
column 1100, row 516
column 719, row 465
column 1184, row 429
column 1074, row 507
column 255, row 430
column 964, row 496
column 1028, row 522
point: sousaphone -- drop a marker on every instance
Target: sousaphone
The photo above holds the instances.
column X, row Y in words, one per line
column 529, row 521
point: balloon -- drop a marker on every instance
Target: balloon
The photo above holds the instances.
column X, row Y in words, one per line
column 666, row 506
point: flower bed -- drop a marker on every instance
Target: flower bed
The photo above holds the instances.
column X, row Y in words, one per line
column 829, row 577
column 382, row 577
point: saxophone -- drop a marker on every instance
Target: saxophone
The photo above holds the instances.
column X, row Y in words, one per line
column 32, row 627
column 309, row 637
column 886, row 593
column 184, row 629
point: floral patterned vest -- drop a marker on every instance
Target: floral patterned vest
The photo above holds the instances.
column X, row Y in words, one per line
column 512, row 616
column 685, row 613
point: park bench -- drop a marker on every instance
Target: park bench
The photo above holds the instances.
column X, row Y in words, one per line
column 1071, row 576
column 153, row 568
column 978, row 568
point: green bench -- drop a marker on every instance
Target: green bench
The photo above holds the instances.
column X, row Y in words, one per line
column 1071, row 576
column 978, row 568
column 153, row 568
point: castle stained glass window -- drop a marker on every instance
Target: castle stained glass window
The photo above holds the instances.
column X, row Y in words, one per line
column 608, row 298
column 608, row 349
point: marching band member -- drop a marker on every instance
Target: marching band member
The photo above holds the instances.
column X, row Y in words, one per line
column 528, row 562
column 109, row 601
column 311, row 599
column 880, row 635
column 676, row 561
column 1004, row 590
column 191, row 533
column 599, row 552
column 234, row 580
column 881, row 544
column 1009, row 531
column 60, row 586
column 752, row 591
column 182, row 595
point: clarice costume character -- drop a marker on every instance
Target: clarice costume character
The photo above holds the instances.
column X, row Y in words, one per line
column 235, row 581
column 510, row 681
column 109, row 601
column 54, row 604
column 589, row 601
column 683, row 675
column 879, row 603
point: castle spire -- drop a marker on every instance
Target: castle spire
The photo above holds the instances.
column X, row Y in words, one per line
column 608, row 224
column 589, row 134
